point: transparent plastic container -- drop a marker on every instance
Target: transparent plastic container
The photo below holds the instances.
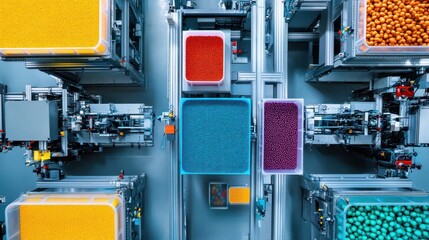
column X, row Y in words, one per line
column 66, row 216
column 201, row 60
column 273, row 157
column 66, row 28
column 362, row 47
column 388, row 208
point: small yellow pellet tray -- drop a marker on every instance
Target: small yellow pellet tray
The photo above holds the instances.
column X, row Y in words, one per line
column 239, row 195
column 60, row 28
column 66, row 217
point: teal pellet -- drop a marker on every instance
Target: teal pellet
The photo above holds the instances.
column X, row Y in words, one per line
column 354, row 229
column 379, row 222
column 425, row 234
column 367, row 208
column 396, row 209
column 373, row 235
column 392, row 234
column 380, row 238
column 373, row 223
column 360, row 218
column 406, row 212
column 400, row 232
column 409, row 229
column 382, row 215
column 419, row 220
column 377, row 227
column 385, row 225
column 413, row 214
column 418, row 233
column 392, row 224
column 364, row 237
column 413, row 223
column 399, row 219
column 389, row 218
column 423, row 227
column 404, row 219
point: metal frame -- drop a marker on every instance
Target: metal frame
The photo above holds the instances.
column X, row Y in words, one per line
column 124, row 64
column 321, row 192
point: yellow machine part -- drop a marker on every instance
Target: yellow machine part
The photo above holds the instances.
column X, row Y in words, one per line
column 41, row 155
column 41, row 27
column 67, row 221
column 239, row 195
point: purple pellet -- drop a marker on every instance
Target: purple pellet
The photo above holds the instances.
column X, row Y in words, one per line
column 281, row 122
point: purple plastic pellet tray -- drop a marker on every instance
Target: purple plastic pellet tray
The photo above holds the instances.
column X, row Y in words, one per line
column 282, row 136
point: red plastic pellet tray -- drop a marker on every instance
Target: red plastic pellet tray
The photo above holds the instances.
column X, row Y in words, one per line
column 204, row 57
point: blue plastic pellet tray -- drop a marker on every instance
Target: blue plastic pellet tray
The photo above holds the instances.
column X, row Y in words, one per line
column 215, row 136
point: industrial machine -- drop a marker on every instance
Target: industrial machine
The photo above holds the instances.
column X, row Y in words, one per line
column 59, row 124
column 386, row 125
column 80, row 207
column 354, row 206
column 100, row 43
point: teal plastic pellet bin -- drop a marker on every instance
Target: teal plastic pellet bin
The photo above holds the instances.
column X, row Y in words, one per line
column 382, row 217
column 214, row 136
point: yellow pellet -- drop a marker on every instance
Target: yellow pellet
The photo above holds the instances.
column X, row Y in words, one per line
column 59, row 27
column 67, row 222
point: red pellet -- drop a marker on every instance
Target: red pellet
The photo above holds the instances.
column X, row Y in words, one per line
column 280, row 136
column 204, row 58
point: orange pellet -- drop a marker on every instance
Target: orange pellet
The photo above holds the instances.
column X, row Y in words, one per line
column 400, row 19
column 204, row 58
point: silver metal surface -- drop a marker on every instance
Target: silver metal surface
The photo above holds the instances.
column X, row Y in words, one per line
column 266, row 77
column 31, row 120
column 302, row 37
column 423, row 126
column 358, row 181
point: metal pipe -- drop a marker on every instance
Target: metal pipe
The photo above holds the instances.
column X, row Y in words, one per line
column 64, row 138
column 253, row 197
column 260, row 64
column 178, row 97
column 403, row 113
column 302, row 37
column 279, row 230
column 174, row 37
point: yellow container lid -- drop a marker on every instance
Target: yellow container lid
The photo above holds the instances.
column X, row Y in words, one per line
column 60, row 28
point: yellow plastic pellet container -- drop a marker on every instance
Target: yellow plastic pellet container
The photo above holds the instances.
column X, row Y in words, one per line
column 66, row 217
column 60, row 28
column 239, row 195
